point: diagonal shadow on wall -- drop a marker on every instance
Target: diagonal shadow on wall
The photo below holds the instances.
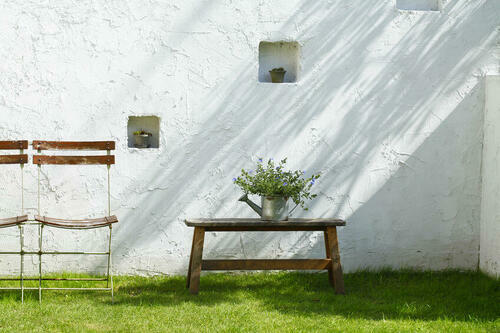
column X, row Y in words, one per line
column 410, row 95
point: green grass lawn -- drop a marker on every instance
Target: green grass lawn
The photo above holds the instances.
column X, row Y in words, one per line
column 385, row 302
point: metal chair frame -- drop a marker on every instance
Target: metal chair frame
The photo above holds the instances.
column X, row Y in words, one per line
column 18, row 221
column 43, row 221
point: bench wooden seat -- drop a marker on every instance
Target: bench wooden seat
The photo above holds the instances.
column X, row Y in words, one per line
column 77, row 224
column 11, row 221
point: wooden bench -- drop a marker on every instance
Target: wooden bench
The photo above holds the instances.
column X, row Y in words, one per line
column 330, row 263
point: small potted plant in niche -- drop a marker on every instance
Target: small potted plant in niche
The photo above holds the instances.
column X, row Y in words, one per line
column 276, row 186
column 277, row 75
column 142, row 139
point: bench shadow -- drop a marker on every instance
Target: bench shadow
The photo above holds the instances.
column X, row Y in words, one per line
column 456, row 296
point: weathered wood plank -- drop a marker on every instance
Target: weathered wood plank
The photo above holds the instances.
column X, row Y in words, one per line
column 196, row 260
column 266, row 264
column 256, row 222
column 14, row 144
column 10, row 221
column 73, row 145
column 328, row 250
column 335, row 255
column 74, row 160
column 77, row 224
column 14, row 159
column 190, row 264
column 265, row 228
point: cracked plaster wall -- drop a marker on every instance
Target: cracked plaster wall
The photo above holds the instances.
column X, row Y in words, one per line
column 388, row 106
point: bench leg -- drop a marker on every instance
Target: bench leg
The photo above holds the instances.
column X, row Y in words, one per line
column 332, row 252
column 195, row 261
column 329, row 256
column 188, row 282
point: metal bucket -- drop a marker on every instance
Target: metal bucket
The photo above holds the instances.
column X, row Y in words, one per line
column 142, row 141
column 274, row 208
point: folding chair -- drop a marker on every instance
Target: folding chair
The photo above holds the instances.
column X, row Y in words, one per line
column 44, row 221
column 18, row 221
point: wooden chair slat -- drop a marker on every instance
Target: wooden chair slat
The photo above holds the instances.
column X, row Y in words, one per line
column 74, row 160
column 14, row 144
column 77, row 224
column 73, row 145
column 11, row 221
column 14, row 159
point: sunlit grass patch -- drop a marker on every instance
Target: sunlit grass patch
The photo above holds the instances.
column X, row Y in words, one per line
column 382, row 301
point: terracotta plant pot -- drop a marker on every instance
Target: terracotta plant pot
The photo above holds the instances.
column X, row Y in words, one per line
column 277, row 76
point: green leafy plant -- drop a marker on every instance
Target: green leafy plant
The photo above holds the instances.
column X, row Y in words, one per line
column 280, row 69
column 269, row 179
column 142, row 132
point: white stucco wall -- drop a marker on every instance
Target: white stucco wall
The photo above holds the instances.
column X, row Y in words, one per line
column 490, row 207
column 388, row 106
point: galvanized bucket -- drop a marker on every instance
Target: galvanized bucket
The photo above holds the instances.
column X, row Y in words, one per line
column 274, row 208
column 142, row 141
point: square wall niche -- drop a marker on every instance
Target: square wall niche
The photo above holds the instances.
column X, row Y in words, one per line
column 150, row 124
column 425, row 5
column 276, row 55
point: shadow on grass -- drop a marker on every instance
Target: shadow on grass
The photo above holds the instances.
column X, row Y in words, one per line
column 450, row 295
column 383, row 295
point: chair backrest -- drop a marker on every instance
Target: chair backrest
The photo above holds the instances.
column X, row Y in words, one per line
column 14, row 145
column 20, row 159
column 74, row 145
column 107, row 160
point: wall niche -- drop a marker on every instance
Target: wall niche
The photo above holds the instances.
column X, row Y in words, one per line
column 279, row 54
column 149, row 124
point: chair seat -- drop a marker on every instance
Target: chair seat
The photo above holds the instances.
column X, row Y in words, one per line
column 12, row 221
column 77, row 224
